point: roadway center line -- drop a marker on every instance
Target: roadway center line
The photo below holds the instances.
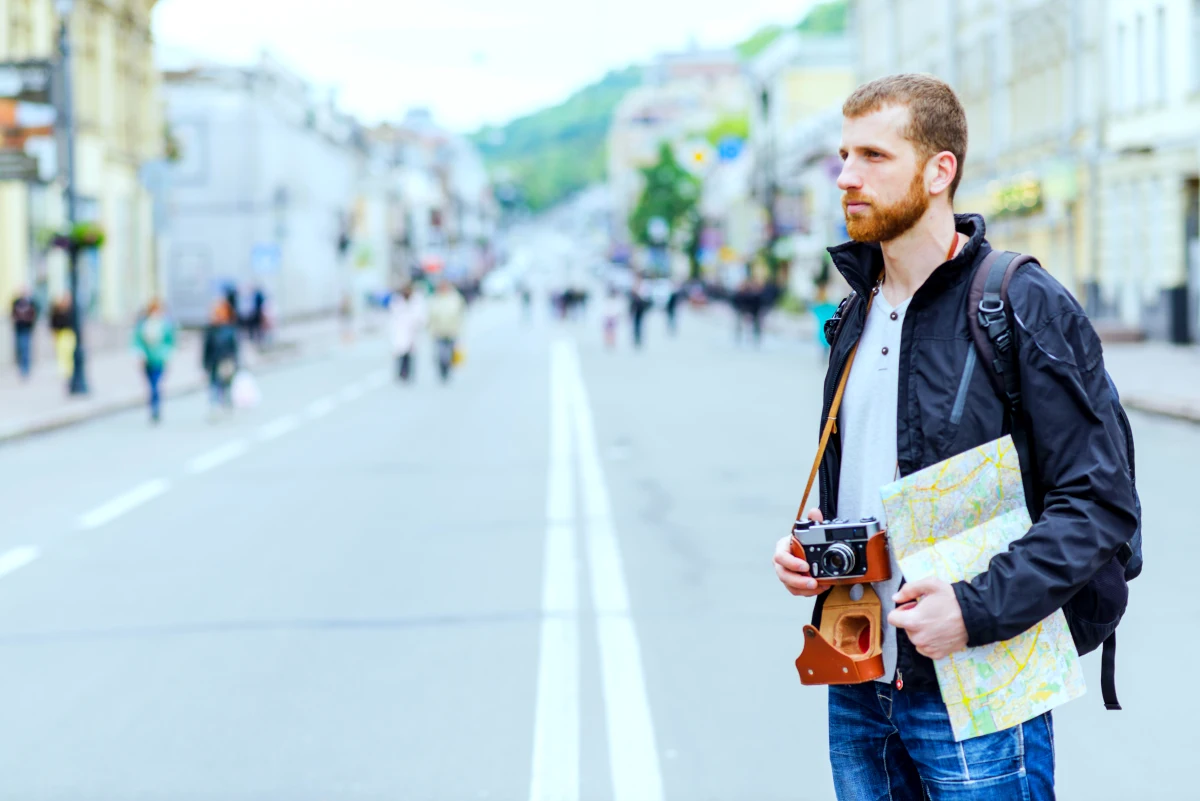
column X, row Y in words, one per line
column 632, row 747
column 17, row 558
column 143, row 493
column 217, row 456
column 555, row 774
column 352, row 392
column 277, row 428
column 321, row 407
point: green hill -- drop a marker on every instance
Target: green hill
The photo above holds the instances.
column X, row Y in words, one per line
column 551, row 153
column 537, row 160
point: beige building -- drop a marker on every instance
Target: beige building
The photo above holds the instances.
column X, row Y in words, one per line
column 801, row 82
column 1030, row 74
column 119, row 128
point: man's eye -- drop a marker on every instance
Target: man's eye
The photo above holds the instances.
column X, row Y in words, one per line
column 874, row 154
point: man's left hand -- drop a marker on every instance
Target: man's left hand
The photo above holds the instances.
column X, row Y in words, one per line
column 934, row 623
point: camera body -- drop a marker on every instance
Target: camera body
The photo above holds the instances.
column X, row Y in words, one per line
column 841, row 551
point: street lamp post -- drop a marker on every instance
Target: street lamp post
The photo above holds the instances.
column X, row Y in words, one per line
column 66, row 119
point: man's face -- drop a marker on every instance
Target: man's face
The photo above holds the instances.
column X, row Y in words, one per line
column 882, row 180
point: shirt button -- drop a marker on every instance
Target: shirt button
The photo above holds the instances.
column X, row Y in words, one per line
column 885, row 351
column 895, row 316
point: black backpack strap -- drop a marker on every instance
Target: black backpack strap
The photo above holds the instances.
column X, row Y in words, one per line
column 991, row 327
column 1108, row 673
column 989, row 319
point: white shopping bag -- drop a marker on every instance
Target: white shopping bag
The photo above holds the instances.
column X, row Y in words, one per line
column 244, row 391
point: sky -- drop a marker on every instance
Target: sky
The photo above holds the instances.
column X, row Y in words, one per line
column 472, row 62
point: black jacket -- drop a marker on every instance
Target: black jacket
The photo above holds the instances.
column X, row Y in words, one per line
column 1084, row 509
column 220, row 344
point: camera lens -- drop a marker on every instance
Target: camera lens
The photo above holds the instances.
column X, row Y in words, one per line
column 838, row 560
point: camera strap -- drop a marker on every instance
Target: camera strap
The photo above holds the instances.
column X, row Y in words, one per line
column 831, row 420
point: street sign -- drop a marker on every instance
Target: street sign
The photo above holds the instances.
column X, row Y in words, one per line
column 729, row 148
column 30, row 81
column 17, row 166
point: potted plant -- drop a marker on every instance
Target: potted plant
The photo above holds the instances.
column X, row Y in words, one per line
column 82, row 236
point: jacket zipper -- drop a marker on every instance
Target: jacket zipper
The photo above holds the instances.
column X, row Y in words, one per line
column 961, row 401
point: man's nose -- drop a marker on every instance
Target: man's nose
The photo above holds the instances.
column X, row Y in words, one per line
column 848, row 178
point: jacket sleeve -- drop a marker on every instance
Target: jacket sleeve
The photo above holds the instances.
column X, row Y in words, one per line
column 1076, row 443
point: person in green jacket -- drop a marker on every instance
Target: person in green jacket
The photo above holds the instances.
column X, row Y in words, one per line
column 154, row 339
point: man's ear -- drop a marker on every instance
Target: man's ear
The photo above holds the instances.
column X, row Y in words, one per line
column 940, row 172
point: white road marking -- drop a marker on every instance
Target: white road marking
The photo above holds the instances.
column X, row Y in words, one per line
column 17, row 558
column 217, row 456
column 277, row 428
column 555, row 774
column 632, row 748
column 352, row 392
column 143, row 493
column 321, row 407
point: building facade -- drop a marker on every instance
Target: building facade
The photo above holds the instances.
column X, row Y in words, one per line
column 1149, row 266
column 1084, row 130
column 264, row 192
column 119, row 131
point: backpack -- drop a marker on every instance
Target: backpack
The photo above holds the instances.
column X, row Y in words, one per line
column 1095, row 611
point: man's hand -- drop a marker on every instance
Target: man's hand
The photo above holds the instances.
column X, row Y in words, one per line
column 934, row 623
column 792, row 571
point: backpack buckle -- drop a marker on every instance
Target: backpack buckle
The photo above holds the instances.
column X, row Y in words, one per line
column 991, row 308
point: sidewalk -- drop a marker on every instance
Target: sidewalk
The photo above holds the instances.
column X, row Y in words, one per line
column 1152, row 377
column 116, row 383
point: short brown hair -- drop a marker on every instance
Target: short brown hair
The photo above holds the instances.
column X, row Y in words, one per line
column 937, row 120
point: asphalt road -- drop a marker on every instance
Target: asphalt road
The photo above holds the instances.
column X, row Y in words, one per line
column 550, row 579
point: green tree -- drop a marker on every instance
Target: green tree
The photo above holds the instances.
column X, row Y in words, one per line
column 670, row 193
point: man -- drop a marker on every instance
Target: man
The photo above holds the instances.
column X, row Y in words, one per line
column 904, row 139
column 24, row 316
column 446, row 312
column 639, row 304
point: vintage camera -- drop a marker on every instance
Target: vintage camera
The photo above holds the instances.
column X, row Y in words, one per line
column 843, row 552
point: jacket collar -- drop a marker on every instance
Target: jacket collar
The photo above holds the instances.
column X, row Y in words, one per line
column 861, row 263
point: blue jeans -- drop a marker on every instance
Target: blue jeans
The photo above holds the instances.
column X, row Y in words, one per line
column 154, row 374
column 887, row 744
column 24, row 341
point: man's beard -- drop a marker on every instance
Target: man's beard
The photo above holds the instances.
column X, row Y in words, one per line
column 885, row 223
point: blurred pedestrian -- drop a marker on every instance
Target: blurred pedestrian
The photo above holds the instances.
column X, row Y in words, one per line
column 24, row 317
column 221, row 356
column 639, row 304
column 406, row 318
column 446, row 312
column 526, row 301
column 63, row 330
column 672, row 307
column 613, row 308
column 154, row 339
column 756, row 309
column 256, row 319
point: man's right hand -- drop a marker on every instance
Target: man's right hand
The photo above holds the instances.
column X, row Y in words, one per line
column 793, row 571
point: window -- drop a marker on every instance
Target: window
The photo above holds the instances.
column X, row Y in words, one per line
column 1121, row 83
column 1195, row 48
column 1139, row 63
column 1160, row 56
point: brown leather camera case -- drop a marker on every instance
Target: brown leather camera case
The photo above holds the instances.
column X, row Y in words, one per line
column 879, row 567
column 848, row 649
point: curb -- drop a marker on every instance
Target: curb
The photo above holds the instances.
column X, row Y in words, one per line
column 289, row 355
column 1187, row 411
